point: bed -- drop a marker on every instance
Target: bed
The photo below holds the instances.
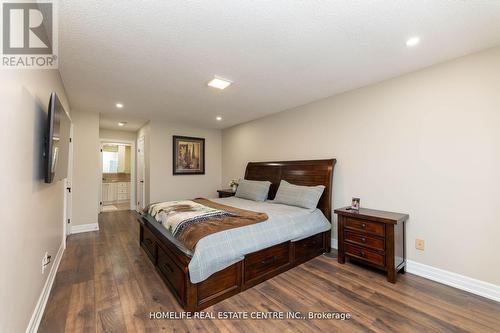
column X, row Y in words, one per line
column 226, row 263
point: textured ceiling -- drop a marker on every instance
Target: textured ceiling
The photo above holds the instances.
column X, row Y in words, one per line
column 111, row 120
column 157, row 56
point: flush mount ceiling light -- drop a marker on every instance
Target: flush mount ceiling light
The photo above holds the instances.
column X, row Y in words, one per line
column 219, row 83
column 413, row 41
column 218, row 118
column 119, row 105
column 122, row 123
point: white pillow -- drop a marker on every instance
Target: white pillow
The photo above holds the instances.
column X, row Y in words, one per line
column 253, row 190
column 301, row 196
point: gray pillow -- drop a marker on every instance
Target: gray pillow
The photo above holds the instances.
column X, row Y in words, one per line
column 253, row 190
column 301, row 196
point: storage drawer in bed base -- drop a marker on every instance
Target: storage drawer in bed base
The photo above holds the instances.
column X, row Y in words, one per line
column 172, row 265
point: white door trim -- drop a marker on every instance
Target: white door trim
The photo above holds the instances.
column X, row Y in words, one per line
column 68, row 196
column 99, row 197
column 143, row 185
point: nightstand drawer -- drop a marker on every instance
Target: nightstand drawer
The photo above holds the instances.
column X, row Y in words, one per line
column 225, row 193
column 365, row 240
column 365, row 254
column 365, row 226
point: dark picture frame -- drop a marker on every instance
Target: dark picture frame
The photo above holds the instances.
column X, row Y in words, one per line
column 355, row 204
column 188, row 155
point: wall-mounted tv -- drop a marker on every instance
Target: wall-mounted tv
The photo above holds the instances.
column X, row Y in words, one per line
column 57, row 140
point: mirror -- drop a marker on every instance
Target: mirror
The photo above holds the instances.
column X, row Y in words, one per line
column 115, row 158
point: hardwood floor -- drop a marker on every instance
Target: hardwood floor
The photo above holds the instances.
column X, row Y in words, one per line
column 116, row 206
column 105, row 284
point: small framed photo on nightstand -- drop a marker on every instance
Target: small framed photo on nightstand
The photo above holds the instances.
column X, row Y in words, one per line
column 355, row 203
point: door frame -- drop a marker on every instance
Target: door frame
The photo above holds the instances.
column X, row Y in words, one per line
column 103, row 141
column 67, row 188
column 143, row 171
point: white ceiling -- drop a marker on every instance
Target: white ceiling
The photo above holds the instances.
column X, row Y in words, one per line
column 157, row 56
column 110, row 121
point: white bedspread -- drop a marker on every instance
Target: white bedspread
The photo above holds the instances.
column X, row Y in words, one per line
column 220, row 250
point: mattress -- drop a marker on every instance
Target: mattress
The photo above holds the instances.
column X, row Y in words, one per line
column 285, row 223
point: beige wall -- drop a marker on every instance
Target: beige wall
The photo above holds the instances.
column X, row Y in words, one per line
column 427, row 144
column 117, row 135
column 32, row 211
column 165, row 186
column 86, row 170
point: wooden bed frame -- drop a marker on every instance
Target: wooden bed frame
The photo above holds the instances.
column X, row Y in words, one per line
column 172, row 262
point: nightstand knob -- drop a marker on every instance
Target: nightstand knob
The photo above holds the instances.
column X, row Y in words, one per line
column 363, row 225
column 363, row 254
column 363, row 240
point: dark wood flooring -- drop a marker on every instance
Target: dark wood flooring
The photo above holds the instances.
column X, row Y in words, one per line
column 105, row 284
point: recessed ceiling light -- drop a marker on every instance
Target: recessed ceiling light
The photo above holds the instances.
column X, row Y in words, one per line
column 119, row 105
column 219, row 118
column 122, row 123
column 219, row 83
column 413, row 41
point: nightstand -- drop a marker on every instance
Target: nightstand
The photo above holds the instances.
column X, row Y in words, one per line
column 373, row 237
column 225, row 193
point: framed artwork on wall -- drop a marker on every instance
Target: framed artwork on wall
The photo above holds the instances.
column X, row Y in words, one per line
column 188, row 155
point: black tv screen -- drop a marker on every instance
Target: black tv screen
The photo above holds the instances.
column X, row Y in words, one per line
column 57, row 141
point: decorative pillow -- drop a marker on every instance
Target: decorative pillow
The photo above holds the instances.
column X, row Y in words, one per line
column 253, row 190
column 301, row 196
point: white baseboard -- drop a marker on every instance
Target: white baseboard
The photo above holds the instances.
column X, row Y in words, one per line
column 76, row 229
column 44, row 296
column 451, row 279
column 455, row 280
column 335, row 244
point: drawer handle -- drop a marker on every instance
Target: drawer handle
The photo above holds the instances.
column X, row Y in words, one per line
column 363, row 225
column 363, row 254
column 148, row 241
column 269, row 261
column 166, row 265
column 363, row 239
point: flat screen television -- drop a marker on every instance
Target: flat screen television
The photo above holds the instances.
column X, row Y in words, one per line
column 57, row 140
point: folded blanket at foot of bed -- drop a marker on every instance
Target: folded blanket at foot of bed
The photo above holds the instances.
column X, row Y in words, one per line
column 191, row 220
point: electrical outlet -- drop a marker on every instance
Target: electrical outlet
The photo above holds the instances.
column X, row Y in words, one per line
column 419, row 244
column 45, row 261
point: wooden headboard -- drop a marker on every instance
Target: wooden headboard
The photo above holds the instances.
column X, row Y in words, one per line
column 307, row 173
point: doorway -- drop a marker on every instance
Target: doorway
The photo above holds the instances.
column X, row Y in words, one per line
column 117, row 176
column 141, row 174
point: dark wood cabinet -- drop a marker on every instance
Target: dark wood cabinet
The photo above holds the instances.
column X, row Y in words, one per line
column 225, row 193
column 374, row 237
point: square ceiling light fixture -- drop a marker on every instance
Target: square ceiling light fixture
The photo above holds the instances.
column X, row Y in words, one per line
column 412, row 42
column 219, row 83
